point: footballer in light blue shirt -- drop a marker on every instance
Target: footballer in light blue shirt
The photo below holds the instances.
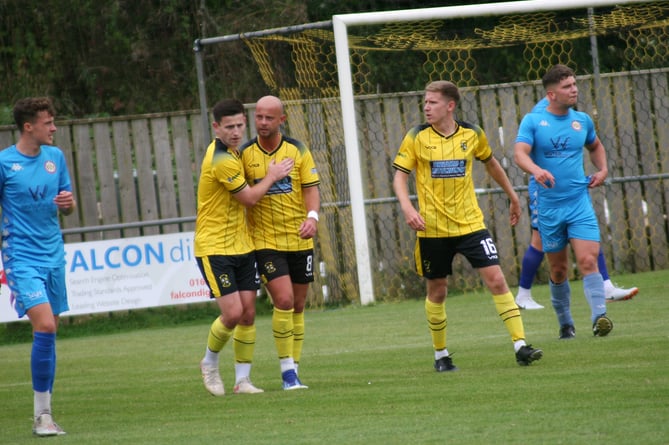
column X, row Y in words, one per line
column 549, row 146
column 34, row 187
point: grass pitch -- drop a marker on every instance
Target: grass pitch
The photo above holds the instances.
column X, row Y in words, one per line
column 371, row 381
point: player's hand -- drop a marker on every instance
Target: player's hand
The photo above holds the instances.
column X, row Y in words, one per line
column 280, row 170
column 514, row 212
column 64, row 200
column 545, row 179
column 308, row 228
column 597, row 179
column 414, row 219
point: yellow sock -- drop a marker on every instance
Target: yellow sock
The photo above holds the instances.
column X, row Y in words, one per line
column 436, row 321
column 244, row 343
column 298, row 335
column 510, row 314
column 282, row 329
column 218, row 335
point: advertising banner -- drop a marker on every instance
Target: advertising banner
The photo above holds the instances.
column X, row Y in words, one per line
column 128, row 273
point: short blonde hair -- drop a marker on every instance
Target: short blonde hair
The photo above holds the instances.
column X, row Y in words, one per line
column 446, row 88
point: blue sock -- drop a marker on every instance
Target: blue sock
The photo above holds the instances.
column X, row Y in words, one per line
column 593, row 288
column 53, row 368
column 601, row 263
column 531, row 262
column 42, row 360
column 561, row 299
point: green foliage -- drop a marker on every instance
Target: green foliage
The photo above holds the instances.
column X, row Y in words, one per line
column 371, row 381
column 127, row 57
column 325, row 9
column 123, row 57
column 6, row 117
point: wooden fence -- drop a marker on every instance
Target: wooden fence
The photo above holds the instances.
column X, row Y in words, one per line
column 137, row 175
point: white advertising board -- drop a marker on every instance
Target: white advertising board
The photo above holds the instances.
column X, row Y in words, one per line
column 128, row 273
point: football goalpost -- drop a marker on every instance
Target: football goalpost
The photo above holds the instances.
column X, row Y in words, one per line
column 341, row 23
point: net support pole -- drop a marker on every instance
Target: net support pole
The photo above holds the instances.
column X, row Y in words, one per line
column 202, row 90
column 360, row 236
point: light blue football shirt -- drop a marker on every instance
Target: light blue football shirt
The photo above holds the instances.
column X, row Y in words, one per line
column 557, row 146
column 30, row 226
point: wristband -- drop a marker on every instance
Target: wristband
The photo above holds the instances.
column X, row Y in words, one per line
column 313, row 214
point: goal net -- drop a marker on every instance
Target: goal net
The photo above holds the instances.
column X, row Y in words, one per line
column 353, row 87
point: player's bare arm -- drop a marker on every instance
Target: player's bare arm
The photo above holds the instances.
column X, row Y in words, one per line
column 250, row 195
column 401, row 188
column 496, row 171
column 598, row 159
column 521, row 155
column 312, row 202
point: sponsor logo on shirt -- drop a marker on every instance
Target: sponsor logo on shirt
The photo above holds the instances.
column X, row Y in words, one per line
column 448, row 169
column 282, row 186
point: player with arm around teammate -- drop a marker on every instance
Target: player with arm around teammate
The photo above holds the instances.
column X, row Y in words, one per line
column 224, row 249
column 450, row 220
column 283, row 225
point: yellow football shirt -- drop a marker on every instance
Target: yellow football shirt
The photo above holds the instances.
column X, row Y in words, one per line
column 220, row 226
column 275, row 220
column 443, row 164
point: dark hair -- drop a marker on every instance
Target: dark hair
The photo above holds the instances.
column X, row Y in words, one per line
column 446, row 88
column 227, row 107
column 27, row 109
column 556, row 74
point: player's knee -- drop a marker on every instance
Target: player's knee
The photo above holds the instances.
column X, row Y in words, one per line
column 232, row 318
column 587, row 265
column 248, row 317
column 558, row 275
column 283, row 302
column 497, row 284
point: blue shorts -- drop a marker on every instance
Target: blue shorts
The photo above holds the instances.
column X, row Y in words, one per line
column 33, row 285
column 577, row 220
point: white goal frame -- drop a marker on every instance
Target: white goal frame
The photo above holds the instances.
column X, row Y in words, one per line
column 340, row 25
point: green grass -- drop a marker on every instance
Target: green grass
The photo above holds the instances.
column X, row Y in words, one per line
column 371, row 381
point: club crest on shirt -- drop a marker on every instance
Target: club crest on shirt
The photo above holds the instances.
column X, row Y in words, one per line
column 50, row 167
column 576, row 125
column 463, row 145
